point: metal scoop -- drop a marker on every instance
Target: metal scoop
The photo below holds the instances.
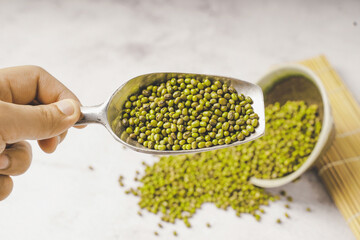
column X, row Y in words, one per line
column 106, row 113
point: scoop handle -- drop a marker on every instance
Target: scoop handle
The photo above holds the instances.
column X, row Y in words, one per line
column 94, row 114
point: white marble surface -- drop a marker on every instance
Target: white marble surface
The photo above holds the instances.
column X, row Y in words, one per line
column 94, row 46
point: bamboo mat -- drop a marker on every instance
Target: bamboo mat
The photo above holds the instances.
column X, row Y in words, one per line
column 339, row 167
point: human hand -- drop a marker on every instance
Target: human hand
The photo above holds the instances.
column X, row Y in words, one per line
column 33, row 106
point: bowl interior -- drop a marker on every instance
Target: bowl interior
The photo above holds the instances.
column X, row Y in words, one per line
column 295, row 87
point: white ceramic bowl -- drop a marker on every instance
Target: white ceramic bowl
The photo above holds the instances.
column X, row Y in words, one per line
column 275, row 88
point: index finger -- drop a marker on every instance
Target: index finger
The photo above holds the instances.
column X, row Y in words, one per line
column 25, row 84
column 32, row 84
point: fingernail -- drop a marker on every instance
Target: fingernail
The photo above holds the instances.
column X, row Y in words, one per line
column 66, row 107
column 4, row 161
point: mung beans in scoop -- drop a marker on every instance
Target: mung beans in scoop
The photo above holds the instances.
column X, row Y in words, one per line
column 188, row 113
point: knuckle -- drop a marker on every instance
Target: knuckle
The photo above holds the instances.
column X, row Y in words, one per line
column 36, row 68
column 20, row 155
column 49, row 121
column 37, row 71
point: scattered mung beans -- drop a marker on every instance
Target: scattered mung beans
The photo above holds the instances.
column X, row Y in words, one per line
column 176, row 186
column 286, row 215
column 187, row 113
column 121, row 183
column 187, row 224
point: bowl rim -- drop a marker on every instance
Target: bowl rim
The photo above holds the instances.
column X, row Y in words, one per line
column 326, row 133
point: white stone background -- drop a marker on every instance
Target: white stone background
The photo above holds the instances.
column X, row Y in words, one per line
column 95, row 46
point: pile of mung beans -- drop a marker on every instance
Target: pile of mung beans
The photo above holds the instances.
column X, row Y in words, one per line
column 176, row 186
column 187, row 113
column 292, row 131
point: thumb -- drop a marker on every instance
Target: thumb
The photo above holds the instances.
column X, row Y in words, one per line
column 21, row 122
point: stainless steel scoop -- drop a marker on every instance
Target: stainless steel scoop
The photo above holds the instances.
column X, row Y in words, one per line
column 106, row 113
